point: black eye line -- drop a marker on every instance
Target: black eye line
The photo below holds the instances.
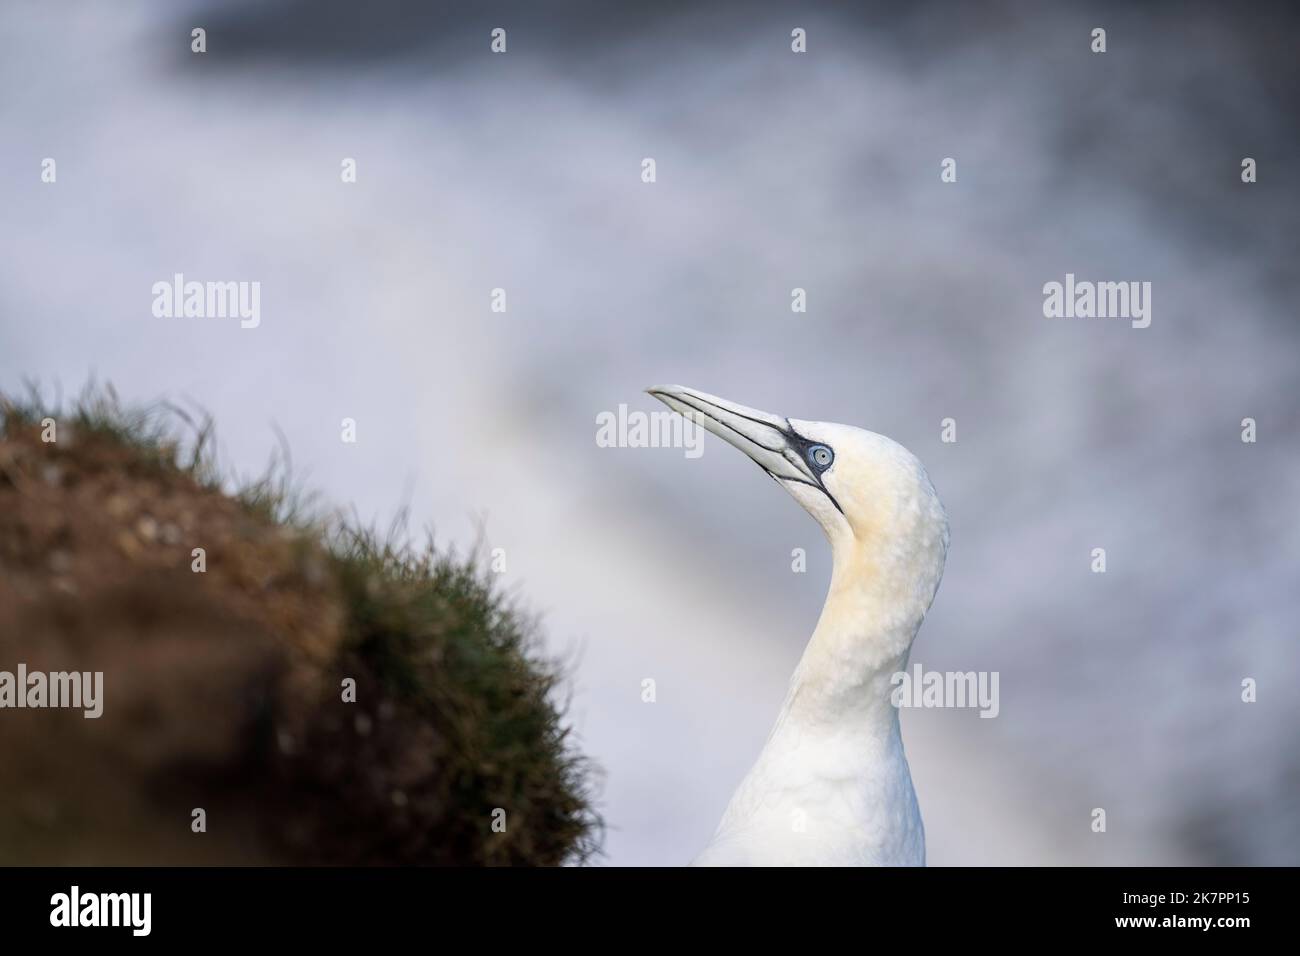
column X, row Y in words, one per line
column 804, row 444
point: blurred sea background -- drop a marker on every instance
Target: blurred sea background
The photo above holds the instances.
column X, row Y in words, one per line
column 821, row 171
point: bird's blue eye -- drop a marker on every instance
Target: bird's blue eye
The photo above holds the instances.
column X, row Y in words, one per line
column 821, row 456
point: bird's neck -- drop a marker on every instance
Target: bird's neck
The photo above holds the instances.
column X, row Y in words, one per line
column 872, row 612
column 835, row 757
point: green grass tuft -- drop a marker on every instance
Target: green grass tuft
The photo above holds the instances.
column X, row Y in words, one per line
column 458, row 712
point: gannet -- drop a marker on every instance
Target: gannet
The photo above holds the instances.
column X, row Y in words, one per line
column 831, row 786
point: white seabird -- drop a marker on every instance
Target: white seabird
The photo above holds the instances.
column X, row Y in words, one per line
column 831, row 786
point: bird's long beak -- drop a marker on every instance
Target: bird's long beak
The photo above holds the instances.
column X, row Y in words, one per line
column 768, row 439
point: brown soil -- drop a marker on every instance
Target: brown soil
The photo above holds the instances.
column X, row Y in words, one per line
column 222, row 688
column 95, row 575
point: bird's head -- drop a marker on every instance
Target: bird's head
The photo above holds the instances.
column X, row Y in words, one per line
column 865, row 490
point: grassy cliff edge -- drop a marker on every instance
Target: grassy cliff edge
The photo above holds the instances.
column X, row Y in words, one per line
column 322, row 693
